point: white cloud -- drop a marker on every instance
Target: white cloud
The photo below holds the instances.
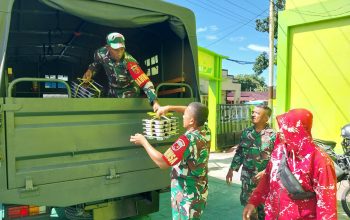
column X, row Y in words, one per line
column 258, row 48
column 211, row 37
column 237, row 39
column 213, row 28
column 202, row 29
column 243, row 48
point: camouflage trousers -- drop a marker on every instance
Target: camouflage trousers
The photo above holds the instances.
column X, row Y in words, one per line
column 247, row 190
column 184, row 205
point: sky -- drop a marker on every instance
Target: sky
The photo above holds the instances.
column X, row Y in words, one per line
column 227, row 27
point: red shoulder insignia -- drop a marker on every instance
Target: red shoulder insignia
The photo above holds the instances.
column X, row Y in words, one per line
column 175, row 153
column 137, row 74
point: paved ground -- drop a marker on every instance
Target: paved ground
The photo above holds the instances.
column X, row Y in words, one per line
column 223, row 201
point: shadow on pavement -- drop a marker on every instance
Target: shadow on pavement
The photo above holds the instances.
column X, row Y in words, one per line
column 223, row 202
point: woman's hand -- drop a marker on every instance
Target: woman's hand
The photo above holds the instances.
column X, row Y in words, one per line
column 248, row 211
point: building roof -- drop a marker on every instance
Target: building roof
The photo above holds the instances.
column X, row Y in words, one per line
column 250, row 96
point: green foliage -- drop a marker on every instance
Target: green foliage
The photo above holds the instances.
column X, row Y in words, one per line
column 251, row 82
column 261, row 63
column 262, row 25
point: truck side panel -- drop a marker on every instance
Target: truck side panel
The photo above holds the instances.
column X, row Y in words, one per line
column 63, row 142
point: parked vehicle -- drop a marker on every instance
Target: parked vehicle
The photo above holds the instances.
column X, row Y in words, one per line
column 74, row 153
column 342, row 164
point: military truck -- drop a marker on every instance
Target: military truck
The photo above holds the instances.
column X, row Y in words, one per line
column 73, row 154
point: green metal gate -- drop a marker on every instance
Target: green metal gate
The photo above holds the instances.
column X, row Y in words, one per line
column 231, row 121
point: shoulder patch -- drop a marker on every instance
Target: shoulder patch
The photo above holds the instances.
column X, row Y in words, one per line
column 137, row 74
column 175, row 153
column 180, row 143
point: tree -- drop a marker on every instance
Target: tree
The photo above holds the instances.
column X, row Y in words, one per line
column 262, row 25
column 251, row 82
column 261, row 63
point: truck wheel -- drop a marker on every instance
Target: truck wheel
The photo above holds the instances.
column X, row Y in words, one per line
column 78, row 213
column 345, row 200
column 60, row 213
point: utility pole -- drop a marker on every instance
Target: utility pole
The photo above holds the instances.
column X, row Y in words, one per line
column 271, row 52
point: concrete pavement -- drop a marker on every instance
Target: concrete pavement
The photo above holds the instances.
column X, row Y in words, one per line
column 223, row 200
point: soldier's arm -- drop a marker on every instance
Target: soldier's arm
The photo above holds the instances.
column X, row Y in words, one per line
column 261, row 192
column 97, row 60
column 154, row 154
column 142, row 80
column 267, row 147
column 236, row 163
column 170, row 108
column 171, row 157
column 238, row 158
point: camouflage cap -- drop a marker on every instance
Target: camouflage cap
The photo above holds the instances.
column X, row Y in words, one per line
column 115, row 40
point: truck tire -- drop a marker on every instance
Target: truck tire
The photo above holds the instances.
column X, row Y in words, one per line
column 60, row 213
column 345, row 200
column 77, row 213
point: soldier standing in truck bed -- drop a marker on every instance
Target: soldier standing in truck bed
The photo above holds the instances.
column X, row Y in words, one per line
column 125, row 77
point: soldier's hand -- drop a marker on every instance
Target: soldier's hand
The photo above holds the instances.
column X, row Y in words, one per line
column 162, row 110
column 258, row 176
column 156, row 106
column 87, row 76
column 248, row 211
column 229, row 176
column 138, row 139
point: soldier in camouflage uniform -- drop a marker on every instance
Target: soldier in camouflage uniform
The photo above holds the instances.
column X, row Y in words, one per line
column 188, row 157
column 253, row 153
column 125, row 77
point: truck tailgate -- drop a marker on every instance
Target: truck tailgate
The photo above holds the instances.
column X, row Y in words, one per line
column 58, row 140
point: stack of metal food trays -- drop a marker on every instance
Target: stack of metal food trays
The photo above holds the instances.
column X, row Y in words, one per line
column 160, row 128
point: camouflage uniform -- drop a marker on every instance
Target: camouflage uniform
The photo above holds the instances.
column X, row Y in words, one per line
column 121, row 84
column 253, row 153
column 189, row 157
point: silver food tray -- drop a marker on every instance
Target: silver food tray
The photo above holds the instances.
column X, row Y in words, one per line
column 159, row 129
column 160, row 125
column 159, row 122
column 160, row 134
column 158, row 138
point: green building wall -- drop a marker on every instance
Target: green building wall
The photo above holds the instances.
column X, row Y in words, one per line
column 210, row 67
column 313, row 68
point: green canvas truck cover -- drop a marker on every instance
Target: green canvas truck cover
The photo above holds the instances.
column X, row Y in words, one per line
column 66, row 151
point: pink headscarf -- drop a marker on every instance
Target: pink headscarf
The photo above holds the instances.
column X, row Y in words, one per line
column 296, row 127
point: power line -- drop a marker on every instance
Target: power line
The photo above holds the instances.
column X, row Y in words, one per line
column 246, row 1
column 222, row 9
column 216, row 12
column 238, row 6
column 236, row 29
column 240, row 61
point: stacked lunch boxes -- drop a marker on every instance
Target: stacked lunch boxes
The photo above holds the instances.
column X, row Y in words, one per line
column 160, row 128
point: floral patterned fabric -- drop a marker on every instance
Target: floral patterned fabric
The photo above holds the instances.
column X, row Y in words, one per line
column 311, row 166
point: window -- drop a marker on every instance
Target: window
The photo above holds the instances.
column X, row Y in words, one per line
column 53, row 85
column 152, row 66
